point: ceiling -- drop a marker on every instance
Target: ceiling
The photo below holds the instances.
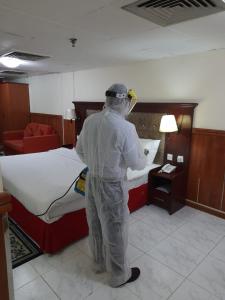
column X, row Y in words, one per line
column 107, row 35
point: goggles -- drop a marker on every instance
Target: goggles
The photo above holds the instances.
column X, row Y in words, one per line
column 115, row 95
column 131, row 96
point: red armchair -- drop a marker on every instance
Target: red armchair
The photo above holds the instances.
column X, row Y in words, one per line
column 34, row 138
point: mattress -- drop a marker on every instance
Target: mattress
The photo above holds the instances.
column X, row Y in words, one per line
column 38, row 179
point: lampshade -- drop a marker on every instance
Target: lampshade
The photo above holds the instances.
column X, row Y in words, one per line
column 70, row 114
column 168, row 124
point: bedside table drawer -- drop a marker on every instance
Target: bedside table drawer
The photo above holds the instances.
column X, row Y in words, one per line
column 159, row 194
column 159, row 198
column 159, row 202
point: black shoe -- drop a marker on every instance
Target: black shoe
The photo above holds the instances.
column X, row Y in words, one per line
column 135, row 273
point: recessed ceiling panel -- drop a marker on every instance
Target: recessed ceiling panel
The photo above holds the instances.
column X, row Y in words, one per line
column 26, row 56
column 168, row 12
column 8, row 73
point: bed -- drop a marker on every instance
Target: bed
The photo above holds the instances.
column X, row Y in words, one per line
column 43, row 185
column 37, row 180
column 63, row 224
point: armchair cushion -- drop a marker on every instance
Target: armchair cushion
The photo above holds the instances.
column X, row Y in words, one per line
column 35, row 129
column 35, row 138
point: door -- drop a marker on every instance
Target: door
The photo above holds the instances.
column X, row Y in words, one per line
column 212, row 171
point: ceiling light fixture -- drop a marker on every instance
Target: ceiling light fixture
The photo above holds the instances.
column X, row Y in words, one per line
column 10, row 62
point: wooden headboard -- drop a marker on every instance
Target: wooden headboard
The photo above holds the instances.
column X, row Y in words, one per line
column 177, row 143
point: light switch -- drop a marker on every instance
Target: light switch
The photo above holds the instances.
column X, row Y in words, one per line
column 180, row 158
column 169, row 156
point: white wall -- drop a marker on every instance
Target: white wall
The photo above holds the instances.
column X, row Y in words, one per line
column 45, row 94
column 51, row 94
column 67, row 91
column 191, row 78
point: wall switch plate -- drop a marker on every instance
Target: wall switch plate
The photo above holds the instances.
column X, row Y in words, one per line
column 169, row 156
column 180, row 158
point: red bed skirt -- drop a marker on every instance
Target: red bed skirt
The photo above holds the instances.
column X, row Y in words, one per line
column 71, row 227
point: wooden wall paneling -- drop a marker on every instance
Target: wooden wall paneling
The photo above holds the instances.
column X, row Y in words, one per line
column 223, row 195
column 69, row 132
column 194, row 180
column 19, row 106
column 212, row 172
column 14, row 106
column 56, row 121
column 5, row 106
column 207, row 170
column 4, row 97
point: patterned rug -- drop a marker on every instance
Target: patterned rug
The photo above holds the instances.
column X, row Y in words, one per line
column 23, row 248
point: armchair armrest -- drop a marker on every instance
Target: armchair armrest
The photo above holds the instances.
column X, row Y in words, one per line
column 40, row 143
column 13, row 135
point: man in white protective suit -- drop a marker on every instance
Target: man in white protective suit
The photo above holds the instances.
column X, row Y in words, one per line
column 108, row 145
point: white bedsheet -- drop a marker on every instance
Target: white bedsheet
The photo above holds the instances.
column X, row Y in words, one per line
column 137, row 178
column 37, row 179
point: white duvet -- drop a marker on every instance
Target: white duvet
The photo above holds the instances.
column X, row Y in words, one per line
column 37, row 179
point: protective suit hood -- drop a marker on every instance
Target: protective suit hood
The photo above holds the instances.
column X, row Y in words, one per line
column 120, row 99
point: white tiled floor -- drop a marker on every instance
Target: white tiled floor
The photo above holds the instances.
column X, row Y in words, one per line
column 181, row 257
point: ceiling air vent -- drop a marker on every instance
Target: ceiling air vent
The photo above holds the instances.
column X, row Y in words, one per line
column 26, row 56
column 168, row 12
column 11, row 73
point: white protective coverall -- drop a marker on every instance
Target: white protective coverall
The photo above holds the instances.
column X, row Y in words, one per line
column 108, row 145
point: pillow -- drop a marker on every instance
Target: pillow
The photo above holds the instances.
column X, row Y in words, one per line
column 152, row 146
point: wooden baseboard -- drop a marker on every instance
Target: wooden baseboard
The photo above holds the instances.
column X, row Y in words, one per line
column 209, row 210
column 205, row 131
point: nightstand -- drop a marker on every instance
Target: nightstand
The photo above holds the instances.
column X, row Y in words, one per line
column 167, row 190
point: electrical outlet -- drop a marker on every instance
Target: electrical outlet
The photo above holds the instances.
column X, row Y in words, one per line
column 169, row 156
column 180, row 159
